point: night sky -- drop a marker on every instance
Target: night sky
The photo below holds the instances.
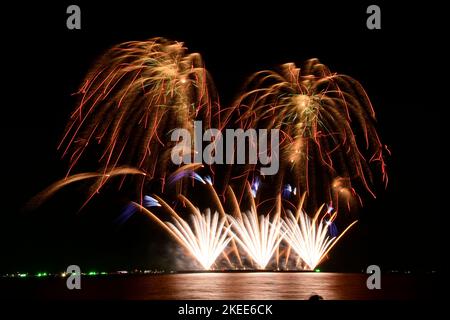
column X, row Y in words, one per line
column 45, row 63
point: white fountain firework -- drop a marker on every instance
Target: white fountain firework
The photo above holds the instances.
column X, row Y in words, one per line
column 309, row 237
column 259, row 236
column 206, row 240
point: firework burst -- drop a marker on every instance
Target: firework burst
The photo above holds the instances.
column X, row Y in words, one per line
column 327, row 124
column 131, row 100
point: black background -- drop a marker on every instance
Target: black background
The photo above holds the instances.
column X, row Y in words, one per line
column 45, row 63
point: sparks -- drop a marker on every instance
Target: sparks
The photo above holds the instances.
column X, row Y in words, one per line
column 309, row 237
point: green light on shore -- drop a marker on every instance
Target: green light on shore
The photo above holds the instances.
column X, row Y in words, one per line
column 317, row 270
column 103, row 273
column 92, row 273
column 42, row 274
column 23, row 275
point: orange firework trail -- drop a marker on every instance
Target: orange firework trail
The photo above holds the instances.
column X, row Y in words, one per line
column 327, row 128
column 132, row 99
column 101, row 178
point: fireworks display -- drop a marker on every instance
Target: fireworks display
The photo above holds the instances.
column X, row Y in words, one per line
column 139, row 92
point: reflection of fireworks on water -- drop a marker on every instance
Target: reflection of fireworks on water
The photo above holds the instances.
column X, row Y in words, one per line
column 310, row 238
column 326, row 119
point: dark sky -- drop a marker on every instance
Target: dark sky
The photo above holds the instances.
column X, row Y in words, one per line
column 45, row 64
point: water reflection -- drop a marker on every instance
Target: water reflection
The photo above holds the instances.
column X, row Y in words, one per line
column 264, row 285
